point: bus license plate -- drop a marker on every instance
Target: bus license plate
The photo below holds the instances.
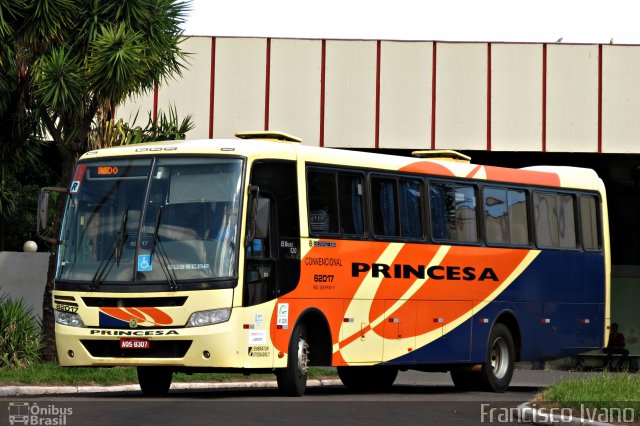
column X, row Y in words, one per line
column 134, row 343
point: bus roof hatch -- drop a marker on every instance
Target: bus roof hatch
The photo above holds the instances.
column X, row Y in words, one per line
column 268, row 134
column 443, row 154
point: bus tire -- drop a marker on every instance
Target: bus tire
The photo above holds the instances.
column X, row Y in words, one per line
column 368, row 378
column 292, row 380
column 498, row 369
column 154, row 381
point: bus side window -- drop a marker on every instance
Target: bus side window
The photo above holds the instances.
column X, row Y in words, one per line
column 350, row 192
column 335, row 202
column 554, row 216
column 453, row 212
column 496, row 217
column 545, row 219
column 566, row 221
column 410, row 202
column 385, row 207
column 323, row 203
column 438, row 215
column 518, row 217
column 505, row 216
column 589, row 223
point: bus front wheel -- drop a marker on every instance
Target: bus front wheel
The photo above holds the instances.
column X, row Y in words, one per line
column 292, row 380
column 154, row 381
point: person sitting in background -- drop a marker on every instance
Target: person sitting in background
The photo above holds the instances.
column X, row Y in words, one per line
column 616, row 346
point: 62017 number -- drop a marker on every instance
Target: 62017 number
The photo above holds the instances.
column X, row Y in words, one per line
column 323, row 278
column 66, row 308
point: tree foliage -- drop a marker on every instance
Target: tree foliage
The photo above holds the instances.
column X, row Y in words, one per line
column 117, row 132
column 89, row 56
column 68, row 64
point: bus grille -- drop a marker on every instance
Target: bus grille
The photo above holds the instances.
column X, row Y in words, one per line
column 158, row 349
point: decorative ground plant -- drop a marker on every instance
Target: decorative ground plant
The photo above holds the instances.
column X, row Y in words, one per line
column 21, row 341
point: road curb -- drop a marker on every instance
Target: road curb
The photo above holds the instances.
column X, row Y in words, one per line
column 527, row 414
column 9, row 391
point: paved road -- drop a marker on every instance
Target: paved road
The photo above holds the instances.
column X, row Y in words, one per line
column 405, row 405
column 417, row 398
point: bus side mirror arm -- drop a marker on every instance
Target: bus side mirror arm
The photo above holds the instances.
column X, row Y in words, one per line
column 43, row 211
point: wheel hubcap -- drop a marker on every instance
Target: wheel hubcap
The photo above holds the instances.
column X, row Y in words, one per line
column 303, row 356
column 499, row 358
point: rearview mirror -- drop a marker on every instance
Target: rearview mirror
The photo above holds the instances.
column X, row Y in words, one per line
column 42, row 214
column 259, row 215
column 263, row 217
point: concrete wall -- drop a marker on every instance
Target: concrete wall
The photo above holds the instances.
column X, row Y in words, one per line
column 23, row 276
column 410, row 95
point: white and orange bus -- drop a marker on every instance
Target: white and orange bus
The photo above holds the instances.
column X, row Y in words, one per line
column 260, row 254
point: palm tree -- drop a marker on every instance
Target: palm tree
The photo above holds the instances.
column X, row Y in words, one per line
column 20, row 133
column 81, row 57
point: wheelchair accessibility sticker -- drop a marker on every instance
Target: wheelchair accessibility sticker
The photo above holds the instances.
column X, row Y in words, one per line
column 144, row 263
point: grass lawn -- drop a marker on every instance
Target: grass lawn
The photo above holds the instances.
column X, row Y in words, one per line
column 610, row 393
column 51, row 374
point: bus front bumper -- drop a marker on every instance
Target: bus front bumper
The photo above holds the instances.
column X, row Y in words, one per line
column 207, row 346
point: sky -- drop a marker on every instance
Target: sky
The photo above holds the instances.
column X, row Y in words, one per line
column 542, row 21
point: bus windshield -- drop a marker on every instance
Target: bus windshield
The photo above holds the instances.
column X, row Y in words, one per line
column 151, row 220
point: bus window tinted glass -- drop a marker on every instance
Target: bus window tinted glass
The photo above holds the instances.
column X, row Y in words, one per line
column 554, row 216
column 350, row 190
column 410, row 200
column 453, row 212
column 496, row 218
column 589, row 223
column 505, row 216
column 518, row 218
column 323, row 203
column 546, row 219
column 566, row 222
column 384, row 207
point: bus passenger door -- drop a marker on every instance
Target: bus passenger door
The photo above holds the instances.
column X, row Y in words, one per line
column 259, row 287
column 272, row 261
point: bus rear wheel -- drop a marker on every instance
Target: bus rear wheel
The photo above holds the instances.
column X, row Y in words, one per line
column 155, row 381
column 292, row 380
column 498, row 370
column 368, row 378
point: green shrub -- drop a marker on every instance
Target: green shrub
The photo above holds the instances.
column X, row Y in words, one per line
column 21, row 339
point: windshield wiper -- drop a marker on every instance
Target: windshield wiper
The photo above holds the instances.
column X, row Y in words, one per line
column 116, row 249
column 162, row 255
column 122, row 235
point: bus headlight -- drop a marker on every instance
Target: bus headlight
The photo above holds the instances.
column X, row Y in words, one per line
column 68, row 318
column 214, row 316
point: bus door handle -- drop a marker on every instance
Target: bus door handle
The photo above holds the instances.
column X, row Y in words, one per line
column 397, row 321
